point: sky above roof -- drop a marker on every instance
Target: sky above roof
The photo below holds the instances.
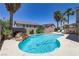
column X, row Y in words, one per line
column 41, row 13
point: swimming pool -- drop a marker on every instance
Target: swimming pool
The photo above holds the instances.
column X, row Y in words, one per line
column 40, row 43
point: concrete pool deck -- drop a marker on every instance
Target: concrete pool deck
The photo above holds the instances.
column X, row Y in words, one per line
column 67, row 48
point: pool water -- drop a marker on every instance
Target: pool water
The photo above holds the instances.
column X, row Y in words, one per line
column 40, row 43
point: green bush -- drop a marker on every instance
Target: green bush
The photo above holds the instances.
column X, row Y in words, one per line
column 40, row 29
column 66, row 26
column 32, row 32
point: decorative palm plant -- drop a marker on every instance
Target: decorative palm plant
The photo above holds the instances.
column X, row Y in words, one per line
column 5, row 31
column 12, row 8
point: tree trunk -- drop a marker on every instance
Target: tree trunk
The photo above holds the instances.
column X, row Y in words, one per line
column 11, row 20
column 68, row 24
column 68, row 19
column 61, row 23
column 57, row 24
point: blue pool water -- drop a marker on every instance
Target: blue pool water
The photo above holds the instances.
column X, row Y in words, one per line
column 40, row 43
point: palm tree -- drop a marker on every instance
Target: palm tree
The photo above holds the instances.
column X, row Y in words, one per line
column 63, row 20
column 57, row 17
column 12, row 8
column 69, row 12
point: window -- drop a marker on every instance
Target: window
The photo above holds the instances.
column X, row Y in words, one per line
column 23, row 25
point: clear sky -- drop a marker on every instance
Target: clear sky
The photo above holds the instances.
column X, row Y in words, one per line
column 41, row 13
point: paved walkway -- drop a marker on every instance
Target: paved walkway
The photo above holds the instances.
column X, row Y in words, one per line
column 67, row 48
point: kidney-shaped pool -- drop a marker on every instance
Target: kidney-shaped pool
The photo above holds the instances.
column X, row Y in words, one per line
column 40, row 43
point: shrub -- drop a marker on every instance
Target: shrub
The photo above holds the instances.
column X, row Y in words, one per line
column 40, row 29
column 55, row 29
column 32, row 32
column 66, row 26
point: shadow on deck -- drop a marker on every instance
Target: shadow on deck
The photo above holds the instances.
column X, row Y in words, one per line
column 73, row 37
column 1, row 43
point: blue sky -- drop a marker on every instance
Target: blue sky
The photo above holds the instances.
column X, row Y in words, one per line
column 41, row 13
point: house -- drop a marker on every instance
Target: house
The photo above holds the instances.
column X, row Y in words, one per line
column 26, row 27
column 22, row 26
column 71, row 28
